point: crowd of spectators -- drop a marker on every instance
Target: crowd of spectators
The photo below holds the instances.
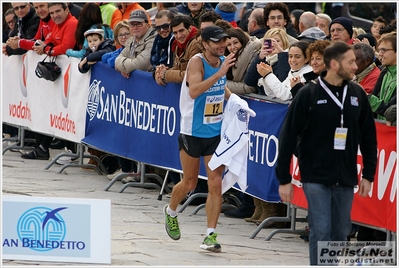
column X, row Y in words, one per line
column 278, row 48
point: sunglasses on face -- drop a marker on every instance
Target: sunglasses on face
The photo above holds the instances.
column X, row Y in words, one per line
column 19, row 7
column 165, row 26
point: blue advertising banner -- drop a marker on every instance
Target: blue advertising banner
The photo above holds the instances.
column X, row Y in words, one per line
column 137, row 119
column 133, row 118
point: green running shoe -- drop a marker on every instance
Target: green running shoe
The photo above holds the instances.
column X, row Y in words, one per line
column 171, row 225
column 211, row 244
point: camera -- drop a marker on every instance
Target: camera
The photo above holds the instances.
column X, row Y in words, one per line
column 268, row 43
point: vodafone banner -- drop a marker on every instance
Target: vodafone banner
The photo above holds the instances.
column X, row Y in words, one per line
column 53, row 108
column 379, row 207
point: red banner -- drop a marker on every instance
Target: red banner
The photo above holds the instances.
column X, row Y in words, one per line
column 379, row 207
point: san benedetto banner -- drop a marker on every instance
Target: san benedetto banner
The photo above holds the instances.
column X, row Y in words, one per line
column 56, row 229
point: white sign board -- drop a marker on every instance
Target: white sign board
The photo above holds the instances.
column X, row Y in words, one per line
column 56, row 229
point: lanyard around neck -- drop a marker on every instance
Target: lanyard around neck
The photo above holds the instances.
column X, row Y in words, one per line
column 340, row 105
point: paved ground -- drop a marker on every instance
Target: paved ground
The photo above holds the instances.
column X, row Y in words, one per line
column 138, row 236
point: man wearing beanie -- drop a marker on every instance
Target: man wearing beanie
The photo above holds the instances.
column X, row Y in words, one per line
column 341, row 29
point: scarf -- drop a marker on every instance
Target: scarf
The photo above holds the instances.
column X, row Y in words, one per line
column 182, row 47
column 365, row 72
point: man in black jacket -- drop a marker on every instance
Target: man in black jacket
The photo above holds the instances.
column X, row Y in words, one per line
column 25, row 28
column 326, row 141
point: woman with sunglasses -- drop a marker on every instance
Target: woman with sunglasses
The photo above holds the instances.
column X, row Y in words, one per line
column 162, row 49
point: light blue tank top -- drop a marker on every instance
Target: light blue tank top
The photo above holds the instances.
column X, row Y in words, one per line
column 202, row 117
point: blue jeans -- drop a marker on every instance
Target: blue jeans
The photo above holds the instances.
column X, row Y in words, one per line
column 329, row 210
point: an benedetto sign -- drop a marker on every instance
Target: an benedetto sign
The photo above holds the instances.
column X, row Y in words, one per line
column 56, row 229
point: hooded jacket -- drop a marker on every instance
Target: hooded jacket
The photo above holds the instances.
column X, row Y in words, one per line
column 312, row 34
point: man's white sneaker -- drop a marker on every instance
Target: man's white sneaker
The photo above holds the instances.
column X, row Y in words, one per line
column 116, row 173
column 130, row 179
column 65, row 159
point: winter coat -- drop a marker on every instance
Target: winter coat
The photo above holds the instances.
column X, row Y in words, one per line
column 312, row 34
column 110, row 57
column 176, row 73
column 280, row 69
column 27, row 29
column 282, row 90
column 241, row 66
column 141, row 52
column 384, row 92
column 45, row 28
column 62, row 36
column 105, row 46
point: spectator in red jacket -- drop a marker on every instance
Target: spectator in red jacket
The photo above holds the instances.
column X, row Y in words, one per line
column 63, row 34
column 367, row 72
column 45, row 27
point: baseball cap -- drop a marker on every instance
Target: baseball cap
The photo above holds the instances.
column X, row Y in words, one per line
column 94, row 31
column 213, row 33
column 138, row 15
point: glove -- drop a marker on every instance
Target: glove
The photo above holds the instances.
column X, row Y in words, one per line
column 390, row 113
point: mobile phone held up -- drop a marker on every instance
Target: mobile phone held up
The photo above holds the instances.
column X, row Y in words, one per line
column 268, row 43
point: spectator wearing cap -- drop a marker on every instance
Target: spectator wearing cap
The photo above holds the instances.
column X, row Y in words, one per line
column 227, row 10
column 97, row 47
column 205, row 79
column 367, row 72
column 123, row 12
column 137, row 52
column 341, row 29
column 186, row 46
